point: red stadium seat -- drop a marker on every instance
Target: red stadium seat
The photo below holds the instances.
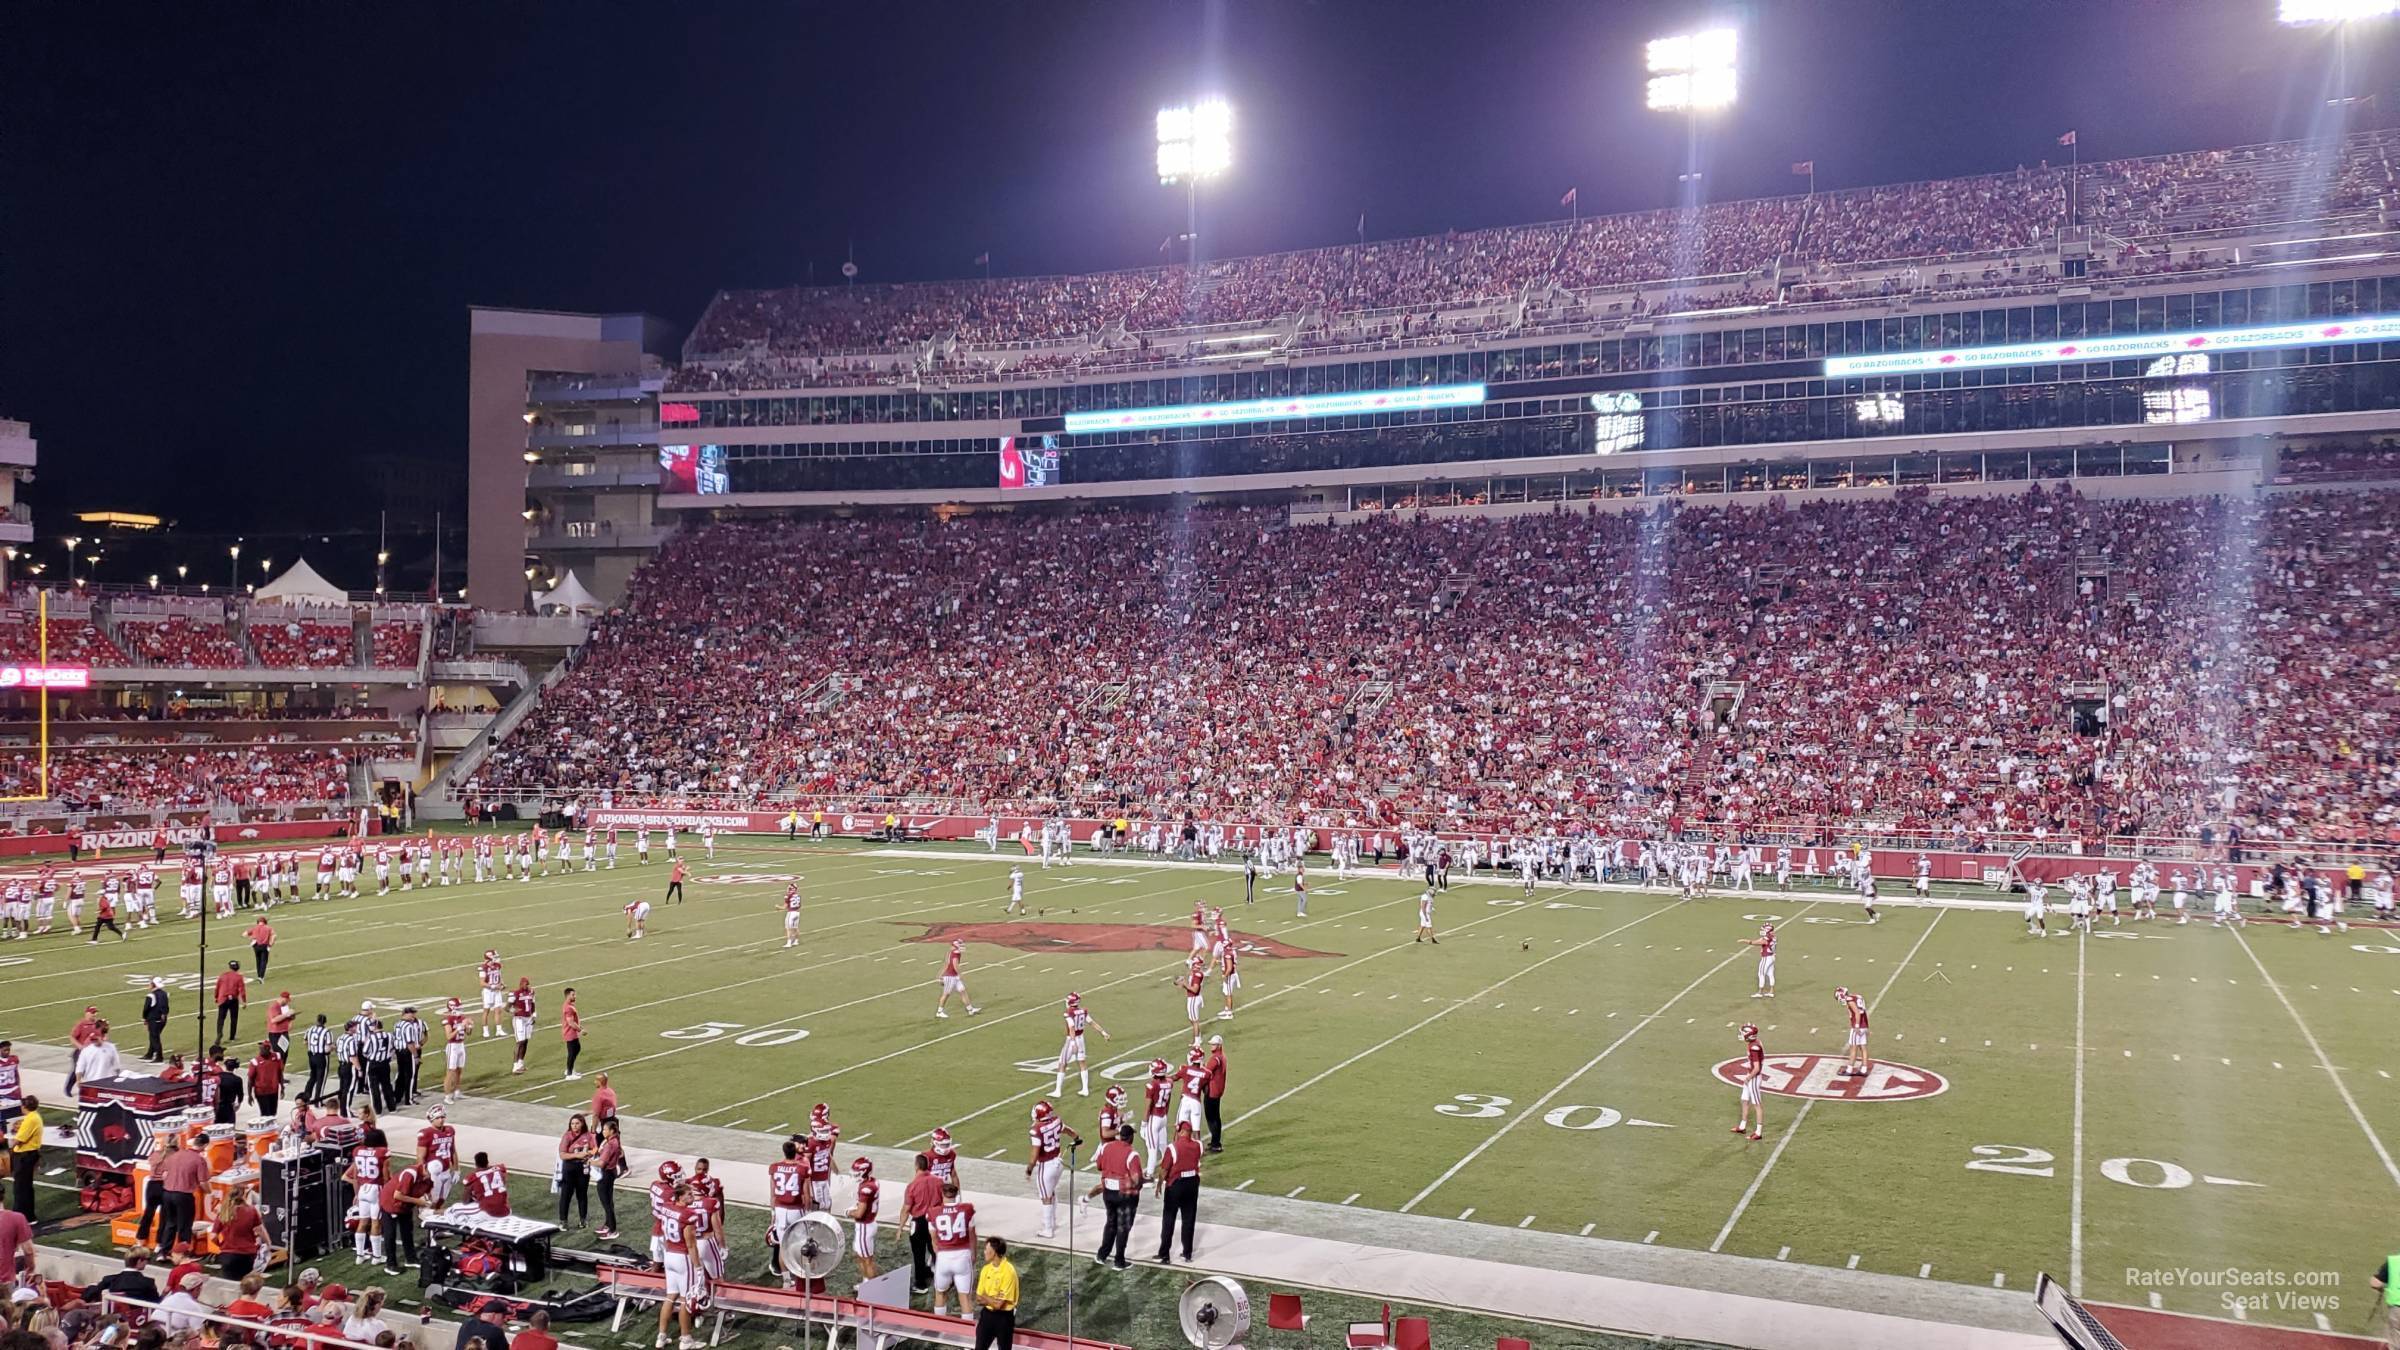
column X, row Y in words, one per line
column 1283, row 1313
column 1412, row 1333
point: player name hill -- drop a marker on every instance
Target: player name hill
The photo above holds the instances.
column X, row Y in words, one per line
column 1099, row 937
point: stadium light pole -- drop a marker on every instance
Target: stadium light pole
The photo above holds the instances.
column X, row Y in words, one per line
column 73, row 542
column 1195, row 142
column 235, row 553
column 1692, row 73
column 2341, row 16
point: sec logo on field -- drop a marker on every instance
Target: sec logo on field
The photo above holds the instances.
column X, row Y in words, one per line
column 1820, row 1076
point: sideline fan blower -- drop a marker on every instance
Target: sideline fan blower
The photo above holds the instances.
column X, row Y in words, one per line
column 1215, row 1313
column 811, row 1249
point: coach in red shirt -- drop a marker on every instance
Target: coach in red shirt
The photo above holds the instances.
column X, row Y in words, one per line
column 266, row 1078
column 1120, row 1189
column 232, row 992
column 919, row 1201
column 1179, row 1185
column 1216, row 1094
column 262, row 937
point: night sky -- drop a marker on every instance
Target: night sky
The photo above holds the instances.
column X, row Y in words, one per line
column 237, row 243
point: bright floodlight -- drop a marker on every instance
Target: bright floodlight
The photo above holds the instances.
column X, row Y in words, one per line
column 2297, row 12
column 1196, row 142
column 1694, row 72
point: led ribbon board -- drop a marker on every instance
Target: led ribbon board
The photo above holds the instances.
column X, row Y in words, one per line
column 1277, row 409
column 2315, row 332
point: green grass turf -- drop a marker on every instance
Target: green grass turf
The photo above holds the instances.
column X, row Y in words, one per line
column 1465, row 1079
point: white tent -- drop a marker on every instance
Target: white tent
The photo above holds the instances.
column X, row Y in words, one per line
column 302, row 586
column 568, row 597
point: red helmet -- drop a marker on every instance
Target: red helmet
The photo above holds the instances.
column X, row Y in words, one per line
column 1749, row 1031
column 1158, row 1068
column 1041, row 1110
column 941, row 1143
column 1197, row 1053
column 819, row 1112
column 1074, row 1000
column 669, row 1170
column 863, row 1166
column 1115, row 1096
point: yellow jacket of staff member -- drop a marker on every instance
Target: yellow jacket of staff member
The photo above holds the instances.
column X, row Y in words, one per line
column 996, row 1285
column 25, row 1136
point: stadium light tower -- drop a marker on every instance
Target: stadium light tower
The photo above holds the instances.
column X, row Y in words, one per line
column 1693, row 73
column 2341, row 16
column 1194, row 143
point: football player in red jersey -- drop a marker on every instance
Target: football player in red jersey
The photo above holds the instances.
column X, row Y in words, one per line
column 455, row 1022
column 954, row 983
column 953, row 1226
column 662, row 1196
column 680, row 1227
column 817, row 1153
column 862, row 1214
column 1189, row 1107
column 1856, row 1062
column 365, row 1174
column 1071, row 1052
column 941, row 1157
column 1158, row 1096
column 787, row 1193
column 495, row 994
column 1044, row 1164
column 1112, row 1112
column 1765, row 942
column 1754, row 1084
column 1195, row 975
column 520, row 1015
column 791, row 915
column 437, row 1152
column 708, row 1194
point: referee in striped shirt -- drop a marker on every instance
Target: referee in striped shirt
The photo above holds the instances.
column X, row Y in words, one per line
column 408, row 1045
column 345, row 1058
column 319, row 1039
column 375, row 1047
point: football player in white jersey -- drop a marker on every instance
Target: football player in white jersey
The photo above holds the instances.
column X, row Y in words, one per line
column 2037, row 909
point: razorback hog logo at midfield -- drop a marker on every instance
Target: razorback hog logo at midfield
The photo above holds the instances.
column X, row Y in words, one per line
column 1098, row 937
column 1820, row 1076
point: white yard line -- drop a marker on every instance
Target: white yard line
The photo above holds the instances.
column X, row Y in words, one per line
column 1800, row 1117
column 1418, row 1026
column 2390, row 1169
column 1569, row 1081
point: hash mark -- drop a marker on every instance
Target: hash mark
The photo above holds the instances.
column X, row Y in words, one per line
column 1925, row 1271
column 1526, row 1222
column 1853, row 1262
column 1294, row 1193
column 2154, row 1300
column 997, row 1153
column 1247, row 1184
column 1783, row 1253
column 1652, row 1238
column 1468, row 1212
column 1999, row 1280
column 734, row 1124
column 1353, row 1196
column 1587, row 1229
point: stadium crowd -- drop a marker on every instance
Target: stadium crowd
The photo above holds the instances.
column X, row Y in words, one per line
column 1954, row 228
column 2034, row 664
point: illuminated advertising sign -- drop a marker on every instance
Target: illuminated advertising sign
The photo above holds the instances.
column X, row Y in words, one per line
column 2315, row 332
column 1277, row 409
column 45, row 677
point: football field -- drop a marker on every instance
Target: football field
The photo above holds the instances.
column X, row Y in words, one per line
column 2146, row 1113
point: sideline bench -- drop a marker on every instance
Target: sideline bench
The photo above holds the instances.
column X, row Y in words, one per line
column 875, row 1325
